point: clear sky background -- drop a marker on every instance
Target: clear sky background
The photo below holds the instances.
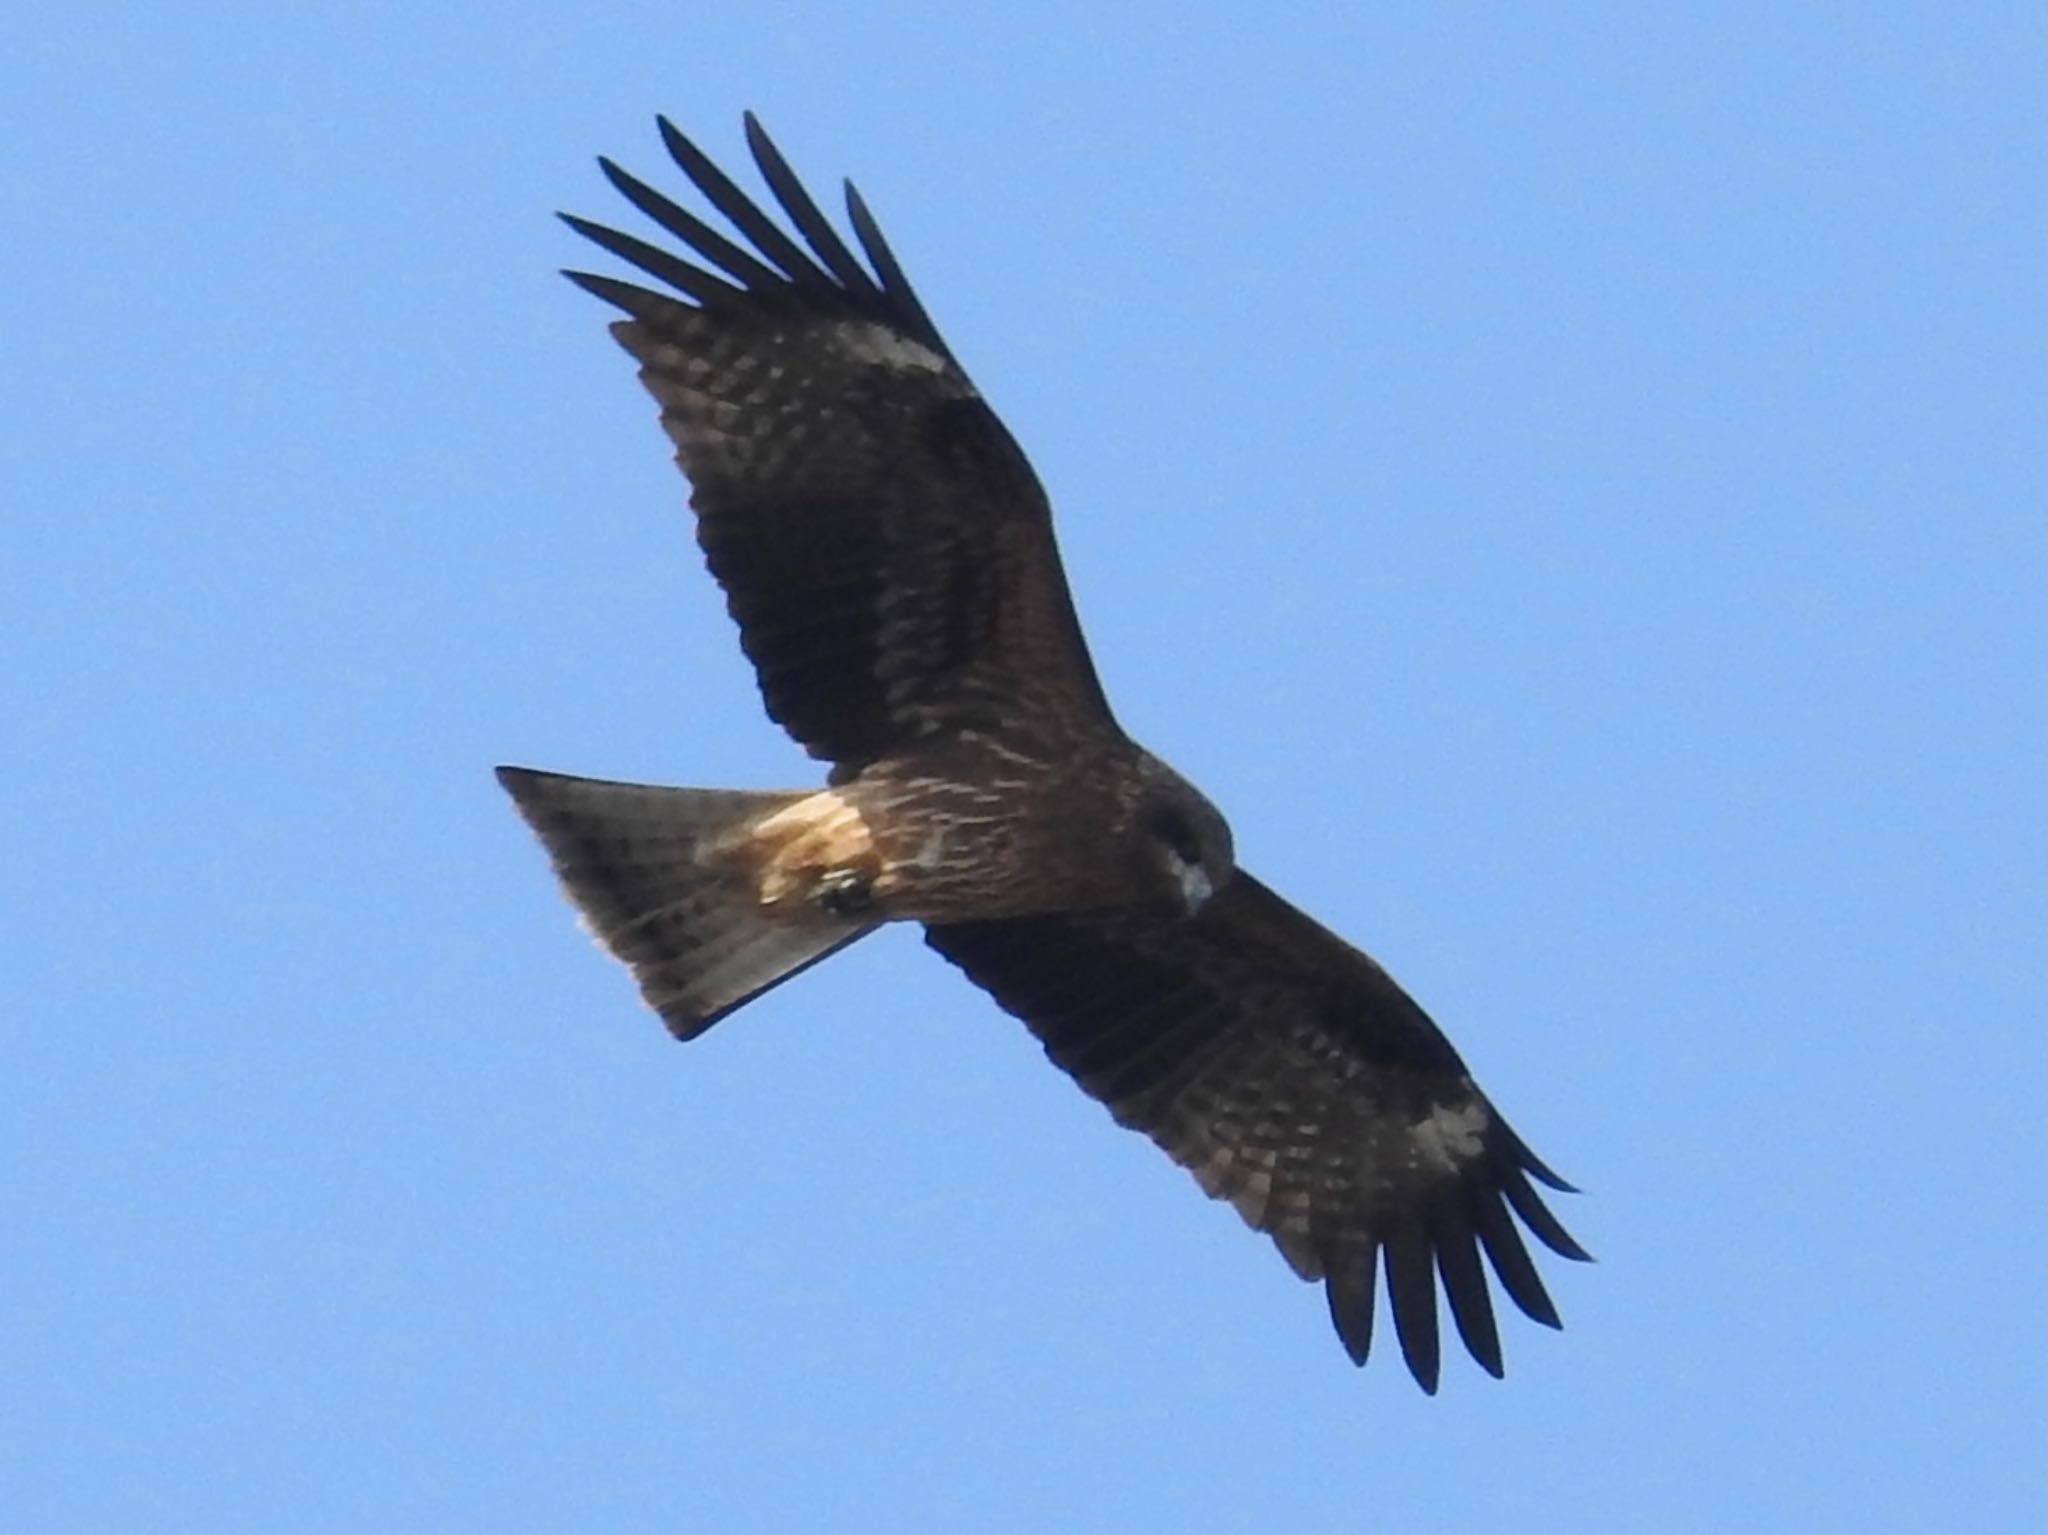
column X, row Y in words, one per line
column 1566, row 479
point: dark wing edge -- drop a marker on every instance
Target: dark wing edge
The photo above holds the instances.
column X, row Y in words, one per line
column 883, row 543
column 778, row 273
column 1296, row 1080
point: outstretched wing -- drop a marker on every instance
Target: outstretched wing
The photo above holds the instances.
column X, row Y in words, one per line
column 883, row 544
column 1295, row 1079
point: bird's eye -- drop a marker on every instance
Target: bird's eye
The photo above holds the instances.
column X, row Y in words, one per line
column 1175, row 830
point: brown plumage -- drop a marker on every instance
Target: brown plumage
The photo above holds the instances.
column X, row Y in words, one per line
column 888, row 556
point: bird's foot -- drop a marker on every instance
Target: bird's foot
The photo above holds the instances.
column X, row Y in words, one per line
column 844, row 892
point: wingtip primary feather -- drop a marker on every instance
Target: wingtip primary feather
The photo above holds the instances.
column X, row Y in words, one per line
column 657, row 263
column 812, row 224
column 1351, row 1289
column 1465, row 1287
column 1411, row 1290
column 741, row 265
column 814, row 266
column 641, row 303
column 1538, row 1169
column 744, row 214
column 1529, row 1205
column 894, row 283
column 758, row 142
column 673, row 139
column 1510, row 1259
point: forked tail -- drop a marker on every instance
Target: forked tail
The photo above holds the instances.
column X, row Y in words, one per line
column 655, row 874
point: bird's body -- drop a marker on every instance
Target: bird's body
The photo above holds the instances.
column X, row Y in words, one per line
column 888, row 556
column 969, row 831
column 974, row 830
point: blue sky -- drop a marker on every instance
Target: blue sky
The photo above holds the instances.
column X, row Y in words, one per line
column 1567, row 480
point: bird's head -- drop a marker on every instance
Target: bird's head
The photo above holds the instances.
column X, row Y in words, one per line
column 1184, row 842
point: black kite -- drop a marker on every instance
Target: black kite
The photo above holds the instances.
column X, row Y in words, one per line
column 888, row 556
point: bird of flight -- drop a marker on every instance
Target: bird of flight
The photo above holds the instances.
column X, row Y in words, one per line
column 888, row 556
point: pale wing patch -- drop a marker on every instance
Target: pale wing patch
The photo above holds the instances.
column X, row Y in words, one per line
column 864, row 341
column 1451, row 1136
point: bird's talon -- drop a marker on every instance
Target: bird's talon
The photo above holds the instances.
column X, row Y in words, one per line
column 845, row 892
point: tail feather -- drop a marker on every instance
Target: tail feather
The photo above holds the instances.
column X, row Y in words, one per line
column 640, row 864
